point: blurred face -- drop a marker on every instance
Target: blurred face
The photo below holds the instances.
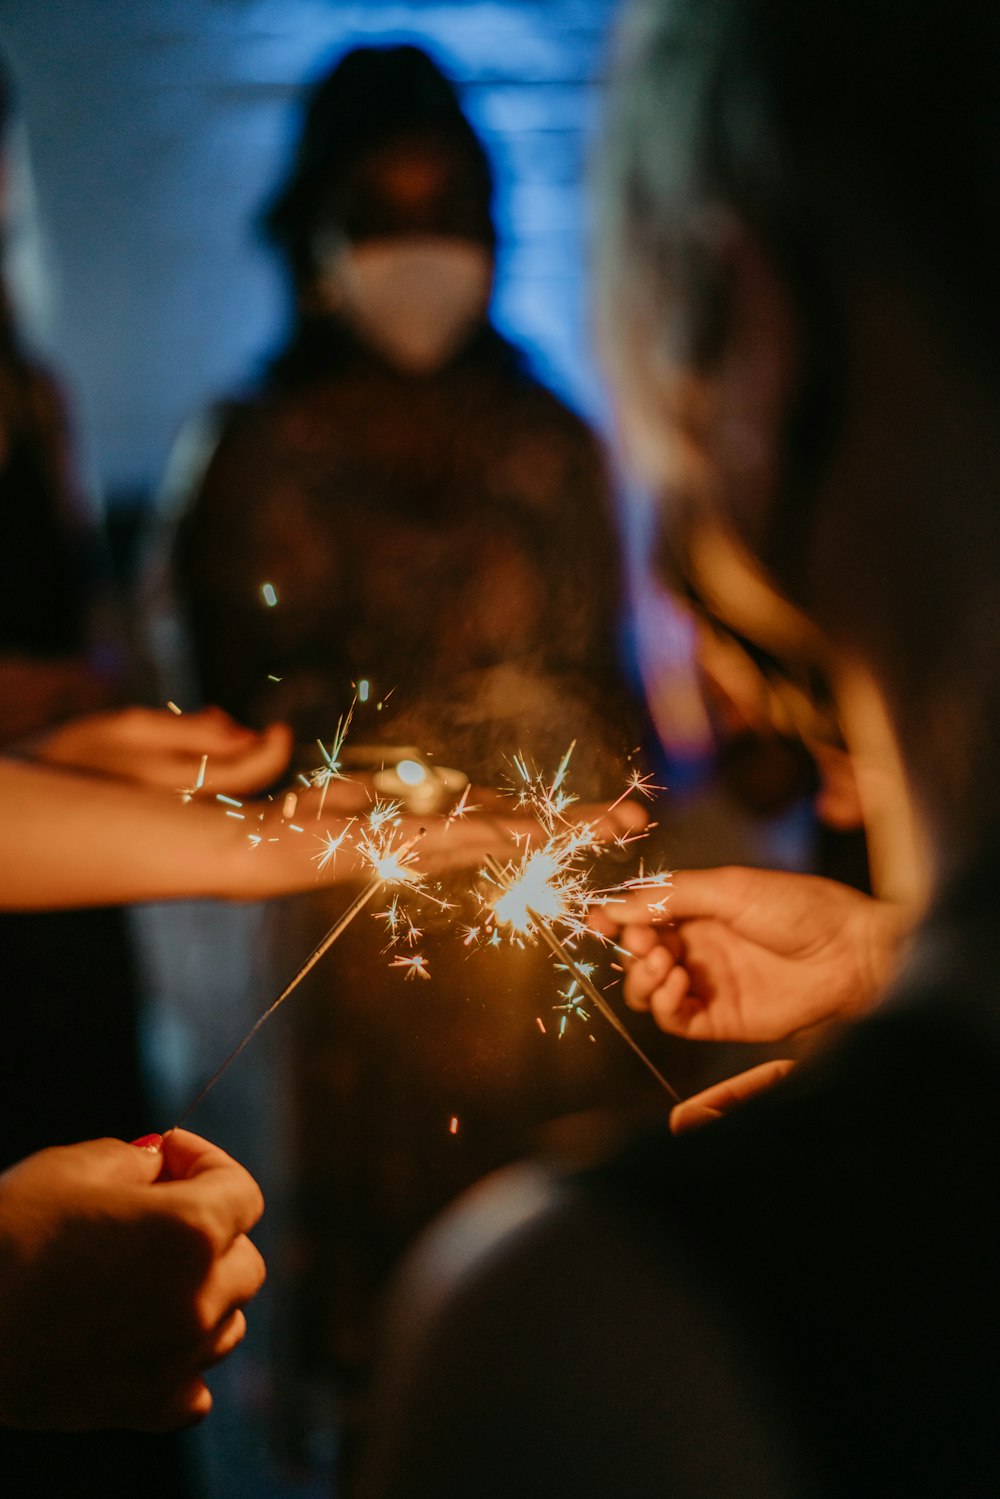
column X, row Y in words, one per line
column 409, row 267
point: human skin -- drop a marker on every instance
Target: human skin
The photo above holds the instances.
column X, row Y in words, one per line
column 99, row 821
column 123, row 1273
column 737, row 954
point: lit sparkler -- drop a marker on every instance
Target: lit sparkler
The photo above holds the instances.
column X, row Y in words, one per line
column 390, row 863
column 545, row 889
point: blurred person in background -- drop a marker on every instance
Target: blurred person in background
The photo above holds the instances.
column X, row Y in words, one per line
column 402, row 513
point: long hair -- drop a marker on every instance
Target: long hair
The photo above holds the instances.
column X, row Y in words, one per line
column 860, row 142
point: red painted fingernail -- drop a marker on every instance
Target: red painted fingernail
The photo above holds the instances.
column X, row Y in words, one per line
column 149, row 1142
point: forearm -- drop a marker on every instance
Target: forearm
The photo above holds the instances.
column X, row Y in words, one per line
column 71, row 841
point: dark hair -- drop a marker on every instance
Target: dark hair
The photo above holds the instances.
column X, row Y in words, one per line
column 372, row 97
column 860, row 142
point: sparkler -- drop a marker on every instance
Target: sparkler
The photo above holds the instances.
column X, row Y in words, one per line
column 389, row 864
column 541, row 892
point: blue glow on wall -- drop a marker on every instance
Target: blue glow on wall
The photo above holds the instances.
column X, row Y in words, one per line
column 158, row 127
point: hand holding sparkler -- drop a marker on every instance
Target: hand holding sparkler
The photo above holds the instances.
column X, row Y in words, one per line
column 752, row 954
column 122, row 1272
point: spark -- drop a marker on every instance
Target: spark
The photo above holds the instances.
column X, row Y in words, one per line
column 461, row 807
column 174, row 709
column 573, row 1003
column 546, row 883
column 453, row 1126
column 545, row 889
column 391, row 861
column 416, row 966
column 402, row 927
column 189, row 792
column 269, row 594
column 330, row 770
column 331, row 845
column 229, row 801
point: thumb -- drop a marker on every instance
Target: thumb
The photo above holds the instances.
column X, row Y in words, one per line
column 127, row 1165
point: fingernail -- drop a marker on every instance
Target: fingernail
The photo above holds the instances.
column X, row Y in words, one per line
column 152, row 1143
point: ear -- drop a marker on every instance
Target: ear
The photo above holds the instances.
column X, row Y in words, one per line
column 752, row 378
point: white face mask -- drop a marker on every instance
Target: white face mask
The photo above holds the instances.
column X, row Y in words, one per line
column 414, row 300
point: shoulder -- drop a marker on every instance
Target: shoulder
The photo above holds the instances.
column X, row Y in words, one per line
column 544, row 1340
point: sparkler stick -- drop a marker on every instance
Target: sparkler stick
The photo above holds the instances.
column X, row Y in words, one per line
column 387, row 867
column 587, row 987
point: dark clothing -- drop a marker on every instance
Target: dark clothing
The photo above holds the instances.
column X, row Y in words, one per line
column 447, row 538
column 800, row 1299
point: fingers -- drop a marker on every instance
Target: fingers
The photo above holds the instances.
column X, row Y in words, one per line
column 248, row 764
column 723, row 1097
column 647, row 974
column 235, row 1279
column 721, row 893
column 209, row 1186
column 210, row 731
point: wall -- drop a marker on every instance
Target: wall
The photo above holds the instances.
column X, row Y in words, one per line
column 156, row 129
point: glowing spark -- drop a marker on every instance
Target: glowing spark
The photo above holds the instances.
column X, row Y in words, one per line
column 461, row 807
column 269, row 594
column 383, row 814
column 230, row 801
column 364, row 688
column 561, row 890
column 573, row 1005
column 541, row 1027
column 289, row 805
column 240, row 816
column 174, row 709
column 188, row 792
column 416, row 967
column 272, row 678
column 411, row 772
column 330, row 769
column 453, row 1126
column 332, row 843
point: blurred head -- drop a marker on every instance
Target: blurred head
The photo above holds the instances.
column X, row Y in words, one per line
column 386, row 218
column 800, row 232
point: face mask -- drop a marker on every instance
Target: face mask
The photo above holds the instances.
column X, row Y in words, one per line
column 414, row 300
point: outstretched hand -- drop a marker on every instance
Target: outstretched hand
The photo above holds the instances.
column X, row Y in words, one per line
column 737, row 954
column 165, row 750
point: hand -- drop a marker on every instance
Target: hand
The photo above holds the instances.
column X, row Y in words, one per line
column 122, row 1275
column 164, row 749
column 722, row 1098
column 277, row 864
column 464, row 842
column 752, row 954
